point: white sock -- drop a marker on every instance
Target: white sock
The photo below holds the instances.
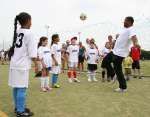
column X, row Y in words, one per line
column 42, row 82
column 47, row 82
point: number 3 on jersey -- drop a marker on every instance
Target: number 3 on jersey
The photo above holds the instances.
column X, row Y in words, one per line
column 19, row 40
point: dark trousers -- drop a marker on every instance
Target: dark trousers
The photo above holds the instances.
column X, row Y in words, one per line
column 107, row 63
column 117, row 67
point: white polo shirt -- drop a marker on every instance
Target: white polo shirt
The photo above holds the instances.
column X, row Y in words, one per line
column 123, row 42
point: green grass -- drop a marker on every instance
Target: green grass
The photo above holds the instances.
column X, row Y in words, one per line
column 82, row 100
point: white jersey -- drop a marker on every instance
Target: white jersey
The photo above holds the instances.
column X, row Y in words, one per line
column 25, row 49
column 44, row 53
column 56, row 51
column 2, row 54
column 105, row 51
column 73, row 51
column 92, row 55
column 123, row 42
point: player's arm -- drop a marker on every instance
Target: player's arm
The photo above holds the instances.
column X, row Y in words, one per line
column 67, row 53
column 54, row 59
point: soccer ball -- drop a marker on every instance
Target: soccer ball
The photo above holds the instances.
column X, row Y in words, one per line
column 83, row 17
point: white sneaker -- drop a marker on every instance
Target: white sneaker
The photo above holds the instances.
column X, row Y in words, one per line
column 95, row 80
column 124, row 90
column 43, row 89
column 76, row 80
column 120, row 90
column 89, row 80
column 70, row 80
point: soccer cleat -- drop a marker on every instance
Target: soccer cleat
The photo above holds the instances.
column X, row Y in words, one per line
column 26, row 110
column 24, row 114
column 120, row 90
column 95, row 80
column 140, row 77
column 70, row 80
column 76, row 80
column 56, row 86
column 103, row 79
column 43, row 90
column 89, row 80
column 48, row 88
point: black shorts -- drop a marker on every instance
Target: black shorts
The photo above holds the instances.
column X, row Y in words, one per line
column 81, row 59
column 136, row 64
column 92, row 67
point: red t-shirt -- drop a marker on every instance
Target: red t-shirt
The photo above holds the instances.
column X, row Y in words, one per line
column 135, row 53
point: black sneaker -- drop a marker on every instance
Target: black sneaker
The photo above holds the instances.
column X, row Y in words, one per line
column 26, row 110
column 23, row 114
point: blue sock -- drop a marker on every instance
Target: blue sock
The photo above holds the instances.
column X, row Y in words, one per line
column 21, row 98
column 56, row 78
column 15, row 97
column 53, row 79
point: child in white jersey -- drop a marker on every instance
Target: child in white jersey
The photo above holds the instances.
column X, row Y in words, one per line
column 72, row 55
column 56, row 60
column 23, row 50
column 92, row 60
column 105, row 51
column 44, row 56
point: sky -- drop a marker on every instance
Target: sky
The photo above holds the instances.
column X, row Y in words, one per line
column 104, row 17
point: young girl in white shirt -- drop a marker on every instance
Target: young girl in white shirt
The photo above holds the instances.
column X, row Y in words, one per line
column 92, row 57
column 72, row 55
column 23, row 50
column 56, row 60
column 105, row 51
column 44, row 56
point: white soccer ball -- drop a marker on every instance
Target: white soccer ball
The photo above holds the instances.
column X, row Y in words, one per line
column 83, row 17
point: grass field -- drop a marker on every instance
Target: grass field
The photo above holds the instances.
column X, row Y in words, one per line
column 83, row 99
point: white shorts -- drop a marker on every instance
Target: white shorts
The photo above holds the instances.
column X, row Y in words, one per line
column 56, row 70
column 18, row 78
column 73, row 64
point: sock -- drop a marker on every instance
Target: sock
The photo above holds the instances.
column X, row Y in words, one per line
column 53, row 79
column 56, row 78
column 103, row 74
column 89, row 75
column 42, row 82
column 69, row 73
column 74, row 74
column 47, row 82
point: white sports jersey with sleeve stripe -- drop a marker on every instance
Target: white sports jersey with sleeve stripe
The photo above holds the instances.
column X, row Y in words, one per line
column 25, row 49
column 92, row 55
column 73, row 51
column 44, row 53
column 56, row 51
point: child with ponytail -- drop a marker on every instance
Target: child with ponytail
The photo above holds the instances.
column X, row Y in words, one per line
column 23, row 50
column 45, row 63
column 56, row 60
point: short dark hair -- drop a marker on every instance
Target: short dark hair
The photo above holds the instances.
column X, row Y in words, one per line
column 131, row 19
